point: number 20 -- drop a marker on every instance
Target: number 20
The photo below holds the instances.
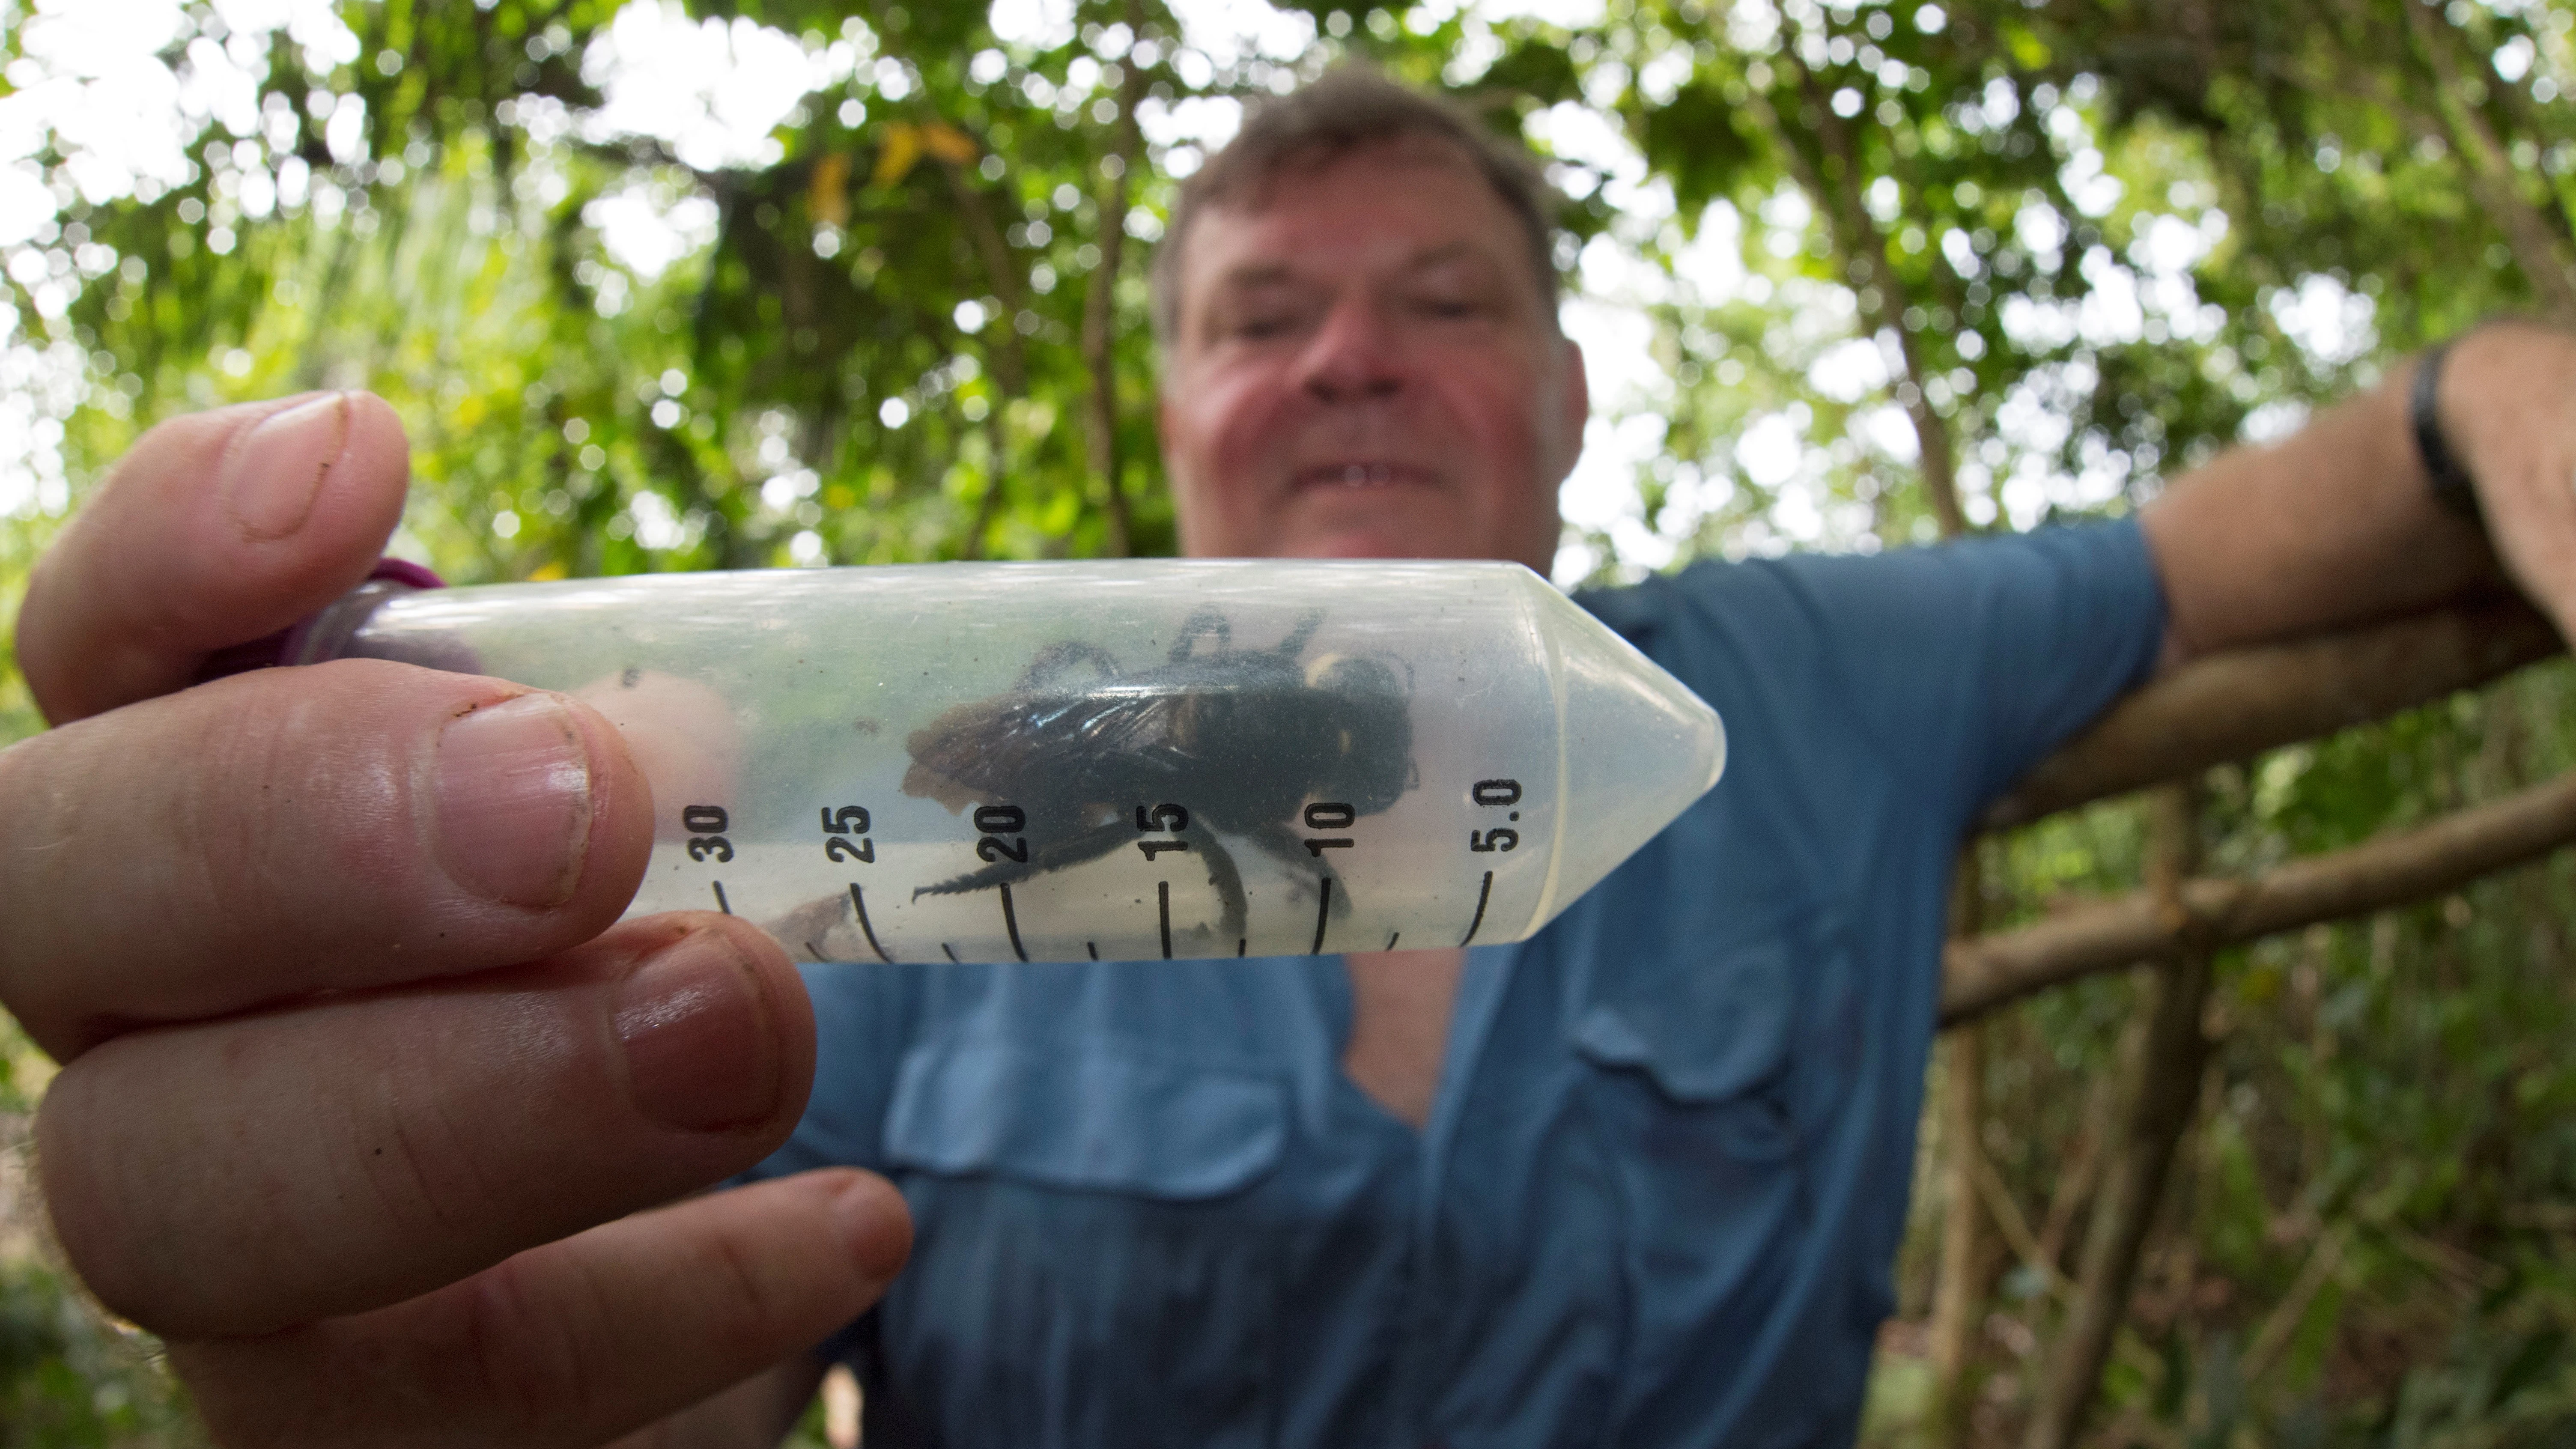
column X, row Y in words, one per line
column 998, row 822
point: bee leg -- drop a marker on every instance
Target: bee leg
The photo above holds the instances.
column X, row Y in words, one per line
column 1069, row 850
column 1205, row 619
column 1056, row 658
column 1228, row 880
column 1283, row 843
column 1295, row 643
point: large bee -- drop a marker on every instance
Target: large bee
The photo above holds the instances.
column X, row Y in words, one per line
column 1215, row 740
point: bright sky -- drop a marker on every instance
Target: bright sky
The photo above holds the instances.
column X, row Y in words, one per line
column 91, row 79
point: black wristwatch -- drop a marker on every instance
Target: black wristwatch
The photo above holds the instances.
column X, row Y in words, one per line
column 2452, row 486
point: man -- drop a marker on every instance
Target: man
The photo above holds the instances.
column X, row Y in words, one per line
column 343, row 1130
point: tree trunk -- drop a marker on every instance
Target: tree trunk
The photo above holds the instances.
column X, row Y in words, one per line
column 2160, row 1110
column 1099, row 316
column 1967, row 1238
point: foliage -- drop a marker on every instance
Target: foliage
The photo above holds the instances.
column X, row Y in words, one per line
column 1873, row 272
column 69, row 1382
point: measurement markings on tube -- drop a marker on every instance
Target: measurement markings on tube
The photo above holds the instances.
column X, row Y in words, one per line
column 1329, row 815
column 1482, row 896
column 1163, row 902
column 1497, row 794
column 952, row 954
column 859, row 903
column 1323, row 911
column 706, row 825
column 1390, row 939
column 1011, row 923
column 843, row 827
column 1165, row 817
column 1493, row 795
column 1093, row 947
column 1001, row 840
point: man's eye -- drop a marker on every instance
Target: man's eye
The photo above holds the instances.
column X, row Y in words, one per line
column 1264, row 323
column 1450, row 304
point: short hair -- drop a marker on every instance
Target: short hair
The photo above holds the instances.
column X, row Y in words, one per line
column 1347, row 108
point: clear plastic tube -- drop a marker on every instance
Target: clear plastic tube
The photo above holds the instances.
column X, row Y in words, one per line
column 998, row 762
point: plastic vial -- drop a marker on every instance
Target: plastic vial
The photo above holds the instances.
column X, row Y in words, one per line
column 1132, row 760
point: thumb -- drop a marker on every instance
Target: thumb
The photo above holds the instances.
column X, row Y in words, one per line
column 214, row 529
column 577, row 1342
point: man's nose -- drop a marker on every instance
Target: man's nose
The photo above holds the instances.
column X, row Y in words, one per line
column 1353, row 357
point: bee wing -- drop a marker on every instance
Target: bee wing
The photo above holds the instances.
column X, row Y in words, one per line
column 1063, row 745
column 954, row 757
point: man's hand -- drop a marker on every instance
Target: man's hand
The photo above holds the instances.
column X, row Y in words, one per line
column 2508, row 409
column 352, row 1076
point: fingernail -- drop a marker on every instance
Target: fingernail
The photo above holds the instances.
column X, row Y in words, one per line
column 514, row 801
column 699, row 1053
column 272, row 473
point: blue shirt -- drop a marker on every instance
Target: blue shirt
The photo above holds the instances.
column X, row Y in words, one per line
column 1660, row 1193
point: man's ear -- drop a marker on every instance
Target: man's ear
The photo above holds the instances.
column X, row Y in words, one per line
column 1574, row 407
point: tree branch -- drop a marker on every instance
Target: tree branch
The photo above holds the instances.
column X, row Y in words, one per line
column 989, row 507
column 2238, row 704
column 2404, row 866
column 2283, row 1321
column 1876, row 289
column 1010, row 360
column 2491, row 170
column 1997, row 1196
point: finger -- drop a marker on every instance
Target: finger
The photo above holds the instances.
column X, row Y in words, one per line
column 215, row 529
column 348, row 825
column 239, row 1176
column 574, row 1343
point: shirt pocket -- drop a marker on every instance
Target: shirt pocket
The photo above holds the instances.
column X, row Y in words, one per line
column 1712, row 1082
column 1093, row 1119
column 1083, row 1270
column 1716, row 1040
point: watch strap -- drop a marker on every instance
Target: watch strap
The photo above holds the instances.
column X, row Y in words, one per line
column 2452, row 486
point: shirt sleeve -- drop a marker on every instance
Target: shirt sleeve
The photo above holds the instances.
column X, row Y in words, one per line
column 1967, row 662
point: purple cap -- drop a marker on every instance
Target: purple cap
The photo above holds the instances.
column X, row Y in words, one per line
column 289, row 643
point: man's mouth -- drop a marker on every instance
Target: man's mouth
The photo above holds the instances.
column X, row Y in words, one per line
column 1360, row 474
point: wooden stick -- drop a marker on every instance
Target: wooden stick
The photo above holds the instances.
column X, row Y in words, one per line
column 2235, row 705
column 2410, row 865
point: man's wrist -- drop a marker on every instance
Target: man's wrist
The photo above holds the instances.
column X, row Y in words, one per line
column 2497, row 402
column 2451, row 485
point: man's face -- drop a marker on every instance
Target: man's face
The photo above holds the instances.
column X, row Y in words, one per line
column 1363, row 367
